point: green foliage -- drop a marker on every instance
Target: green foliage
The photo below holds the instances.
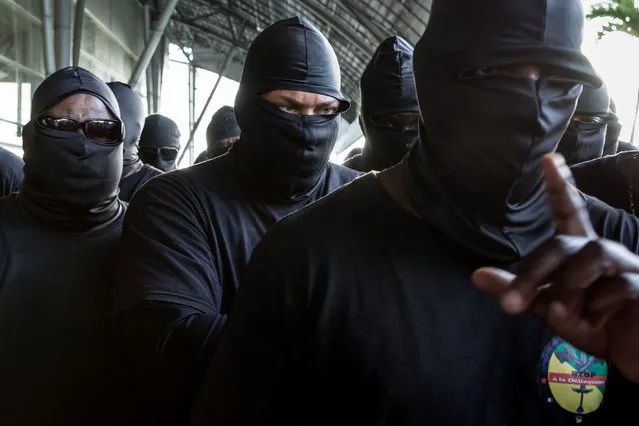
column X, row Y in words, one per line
column 621, row 15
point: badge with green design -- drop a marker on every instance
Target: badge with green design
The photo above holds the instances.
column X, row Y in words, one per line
column 572, row 379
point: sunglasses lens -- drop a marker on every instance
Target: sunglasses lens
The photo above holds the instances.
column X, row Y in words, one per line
column 168, row 154
column 103, row 130
column 61, row 124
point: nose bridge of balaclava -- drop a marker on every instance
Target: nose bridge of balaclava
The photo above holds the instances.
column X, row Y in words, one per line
column 495, row 127
column 585, row 137
column 388, row 87
column 159, row 132
column 132, row 112
column 223, row 125
column 276, row 149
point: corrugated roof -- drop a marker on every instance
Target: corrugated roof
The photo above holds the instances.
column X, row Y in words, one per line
column 354, row 28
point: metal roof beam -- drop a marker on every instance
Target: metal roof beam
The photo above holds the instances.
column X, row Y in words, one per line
column 209, row 32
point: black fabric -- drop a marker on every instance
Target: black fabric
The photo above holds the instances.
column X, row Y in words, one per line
column 159, row 131
column 203, row 156
column 306, row 62
column 471, row 35
column 69, row 179
column 58, row 359
column 11, row 173
column 387, row 87
column 353, row 311
column 613, row 132
column 355, row 162
column 586, row 141
column 285, row 155
column 134, row 172
column 132, row 183
column 612, row 179
column 223, row 125
column 187, row 236
column 475, row 173
column 351, row 155
column 625, row 147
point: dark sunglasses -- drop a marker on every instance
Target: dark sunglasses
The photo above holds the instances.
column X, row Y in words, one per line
column 98, row 130
column 166, row 153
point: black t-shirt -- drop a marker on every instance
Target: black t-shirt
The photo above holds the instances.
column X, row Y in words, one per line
column 58, row 364
column 130, row 184
column 352, row 311
column 356, row 162
column 186, row 238
column 11, row 173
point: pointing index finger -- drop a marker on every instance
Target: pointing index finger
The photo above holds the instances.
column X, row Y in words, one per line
column 568, row 208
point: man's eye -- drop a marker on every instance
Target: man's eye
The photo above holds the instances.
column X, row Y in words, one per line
column 328, row 111
column 483, row 71
column 288, row 109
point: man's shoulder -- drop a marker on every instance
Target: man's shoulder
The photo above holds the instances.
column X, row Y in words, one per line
column 330, row 216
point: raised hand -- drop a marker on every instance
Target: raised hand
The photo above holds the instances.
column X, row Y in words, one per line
column 586, row 289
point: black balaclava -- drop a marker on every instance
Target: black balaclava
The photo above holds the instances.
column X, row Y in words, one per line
column 223, row 125
column 69, row 179
column 387, row 87
column 475, row 173
column 132, row 112
column 585, row 141
column 283, row 156
column 613, row 132
column 159, row 132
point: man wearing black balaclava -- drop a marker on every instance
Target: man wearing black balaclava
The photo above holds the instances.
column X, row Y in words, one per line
column 221, row 133
column 585, row 136
column 135, row 173
column 160, row 142
column 11, row 174
column 189, row 233
column 58, row 237
column 361, row 309
column 390, row 114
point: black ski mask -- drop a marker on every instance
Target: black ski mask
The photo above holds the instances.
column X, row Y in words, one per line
column 284, row 156
column 475, row 174
column 160, row 142
column 223, row 125
column 585, row 137
column 388, row 87
column 69, row 179
column 614, row 131
column 132, row 112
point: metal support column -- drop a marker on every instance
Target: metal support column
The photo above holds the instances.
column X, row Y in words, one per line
column 63, row 16
column 192, row 89
column 635, row 117
column 19, row 46
column 78, row 24
column 152, row 44
column 223, row 70
column 149, row 74
column 47, row 36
